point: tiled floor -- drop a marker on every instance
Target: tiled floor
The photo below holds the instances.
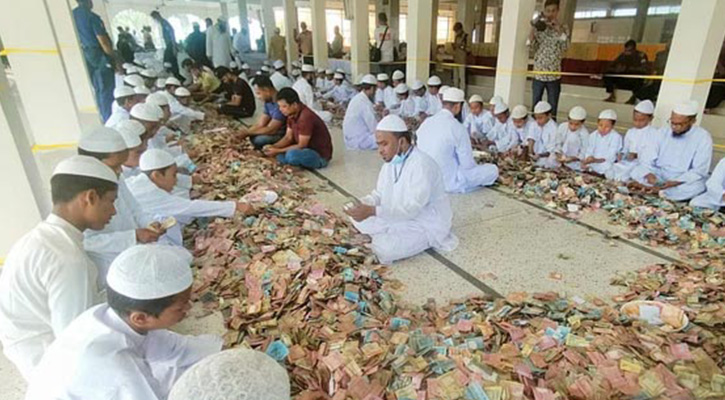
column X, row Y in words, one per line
column 505, row 244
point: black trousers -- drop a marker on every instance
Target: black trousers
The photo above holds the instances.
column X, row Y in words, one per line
column 237, row 111
column 623, row 83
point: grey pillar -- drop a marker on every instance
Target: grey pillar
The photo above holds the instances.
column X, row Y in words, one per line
column 640, row 20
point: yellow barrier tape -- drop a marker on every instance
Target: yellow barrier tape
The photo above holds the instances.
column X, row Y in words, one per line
column 27, row 51
column 2, row 260
column 45, row 147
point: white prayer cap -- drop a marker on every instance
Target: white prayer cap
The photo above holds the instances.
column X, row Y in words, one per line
column 542, row 107
column 645, row 107
column 519, row 112
column 320, row 70
column 434, row 81
column 227, row 374
column 296, row 72
column 145, row 112
column 608, row 114
column 392, row 123
column 444, row 88
column 149, row 73
column 500, row 108
column 687, row 108
column 131, row 131
column 475, row 99
column 338, row 76
column 134, row 80
column 85, row 166
column 329, row 72
column 232, row 65
column 265, row 68
column 495, row 99
column 454, row 95
column 123, row 91
column 127, row 65
column 401, row 89
column 294, row 63
column 383, row 77
column 259, row 73
column 132, row 70
column 182, row 92
column 279, row 64
column 153, row 159
column 160, row 83
column 417, row 85
column 398, row 75
column 578, row 113
column 150, row 271
column 102, row 140
column 308, row 68
column 158, row 99
column 172, row 81
column 368, row 79
column 340, row 71
column 142, row 90
column 245, row 66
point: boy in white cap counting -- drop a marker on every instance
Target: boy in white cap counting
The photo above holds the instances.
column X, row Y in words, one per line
column 48, row 279
column 503, row 134
column 420, row 97
column 125, row 100
column 153, row 190
column 445, row 140
column 542, row 135
column 640, row 142
column 181, row 105
column 604, row 145
column 385, row 95
column 479, row 121
column 398, row 78
column 409, row 211
column 358, row 126
column 679, row 166
column 338, row 93
column 574, row 139
column 433, row 95
column 123, row 349
column 406, row 104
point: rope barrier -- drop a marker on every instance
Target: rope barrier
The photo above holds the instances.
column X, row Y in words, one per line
column 17, row 50
column 45, row 147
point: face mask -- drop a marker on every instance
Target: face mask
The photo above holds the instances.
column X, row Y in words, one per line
column 399, row 158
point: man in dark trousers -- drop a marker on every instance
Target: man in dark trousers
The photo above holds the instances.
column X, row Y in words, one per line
column 196, row 45
column 97, row 53
column 240, row 98
column 167, row 31
column 630, row 62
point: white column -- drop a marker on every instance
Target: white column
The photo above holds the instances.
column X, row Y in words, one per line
column 225, row 12
column 513, row 54
column 319, row 33
column 269, row 26
column 695, row 48
column 244, row 18
column 291, row 25
column 28, row 203
column 37, row 65
column 394, row 20
column 359, row 48
column 466, row 14
column 420, row 20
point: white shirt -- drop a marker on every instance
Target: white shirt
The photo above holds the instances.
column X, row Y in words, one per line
column 304, row 90
column 387, row 52
column 574, row 143
column 685, row 158
column 219, row 47
column 413, row 192
column 406, row 108
column 544, row 137
column 339, row 93
column 434, row 103
column 445, row 140
column 504, row 135
column 713, row 197
column 640, row 141
column 119, row 114
column 386, row 97
column 46, row 282
column 100, row 357
column 606, row 147
column 280, row 81
column 359, row 124
column 479, row 125
column 158, row 202
column 523, row 132
column 421, row 103
column 323, row 84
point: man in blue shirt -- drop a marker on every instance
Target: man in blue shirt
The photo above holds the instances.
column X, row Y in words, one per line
column 271, row 126
column 98, row 54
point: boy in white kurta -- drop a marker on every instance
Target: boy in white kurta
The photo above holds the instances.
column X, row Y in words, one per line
column 358, row 126
column 479, row 121
column 574, row 139
column 385, row 95
column 503, row 134
column 541, row 138
column 445, row 140
column 406, row 104
column 714, row 197
column 48, row 279
column 639, row 142
column 409, row 211
column 604, row 145
column 121, row 349
column 432, row 96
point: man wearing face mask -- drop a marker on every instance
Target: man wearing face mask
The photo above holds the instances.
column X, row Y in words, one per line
column 444, row 138
column 679, row 164
column 408, row 212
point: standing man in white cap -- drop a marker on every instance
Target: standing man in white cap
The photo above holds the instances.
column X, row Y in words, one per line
column 574, row 139
column 279, row 76
column 542, row 135
column 125, row 99
column 640, row 141
column 48, row 279
column 479, row 121
column 359, row 124
column 432, row 96
column 153, row 190
column 127, row 338
column 409, row 211
column 406, row 105
column 385, row 96
column 679, row 165
column 445, row 140
column 604, row 145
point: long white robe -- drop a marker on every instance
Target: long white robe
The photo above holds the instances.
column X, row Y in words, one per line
column 479, row 125
column 421, row 104
column 412, row 211
column 504, row 135
column 280, row 81
column 119, row 114
column 434, row 103
column 100, row 357
column 606, row 147
column 359, row 124
column 307, row 97
column 158, row 202
column 683, row 159
column 523, row 132
column 406, row 108
column 544, row 137
column 46, row 282
column 713, row 197
column 638, row 141
column 337, row 93
column 445, row 140
column 575, row 145
column 219, row 47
